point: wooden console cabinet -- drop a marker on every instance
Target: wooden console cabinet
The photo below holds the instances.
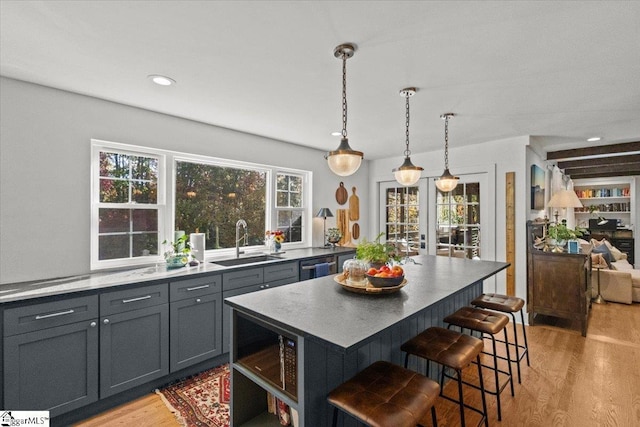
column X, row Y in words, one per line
column 558, row 284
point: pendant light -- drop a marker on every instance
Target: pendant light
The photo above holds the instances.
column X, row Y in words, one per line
column 344, row 161
column 446, row 182
column 407, row 174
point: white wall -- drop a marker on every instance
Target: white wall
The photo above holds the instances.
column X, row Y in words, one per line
column 507, row 155
column 45, row 168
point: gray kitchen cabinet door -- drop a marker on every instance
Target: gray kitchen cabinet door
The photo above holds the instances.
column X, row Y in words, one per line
column 53, row 369
column 196, row 330
column 134, row 348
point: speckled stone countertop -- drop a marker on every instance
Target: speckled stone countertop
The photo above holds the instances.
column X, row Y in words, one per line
column 322, row 310
column 13, row 292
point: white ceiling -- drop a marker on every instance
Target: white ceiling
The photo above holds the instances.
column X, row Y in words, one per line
column 562, row 71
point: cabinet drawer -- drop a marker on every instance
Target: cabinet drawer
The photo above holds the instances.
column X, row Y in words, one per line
column 133, row 299
column 242, row 278
column 195, row 287
column 278, row 272
column 49, row 314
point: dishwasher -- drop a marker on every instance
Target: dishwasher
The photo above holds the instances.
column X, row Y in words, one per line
column 308, row 266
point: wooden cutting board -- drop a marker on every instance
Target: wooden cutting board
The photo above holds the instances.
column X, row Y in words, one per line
column 354, row 206
column 341, row 194
column 342, row 222
column 355, row 231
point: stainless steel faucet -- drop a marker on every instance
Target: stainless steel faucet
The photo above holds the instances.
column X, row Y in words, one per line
column 241, row 223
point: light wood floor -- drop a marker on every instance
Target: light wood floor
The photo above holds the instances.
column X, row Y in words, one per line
column 572, row 380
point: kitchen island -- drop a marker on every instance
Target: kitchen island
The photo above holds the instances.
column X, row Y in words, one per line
column 335, row 334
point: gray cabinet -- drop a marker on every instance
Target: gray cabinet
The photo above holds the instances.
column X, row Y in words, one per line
column 134, row 337
column 51, row 355
column 195, row 321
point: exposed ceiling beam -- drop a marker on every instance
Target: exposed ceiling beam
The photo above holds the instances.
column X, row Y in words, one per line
column 603, row 171
column 601, row 150
column 597, row 162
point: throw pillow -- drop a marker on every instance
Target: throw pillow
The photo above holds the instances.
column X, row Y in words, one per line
column 597, row 260
column 606, row 254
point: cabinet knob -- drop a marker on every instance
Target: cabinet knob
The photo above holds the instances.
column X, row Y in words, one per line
column 266, row 286
column 261, row 286
column 198, row 300
column 105, row 321
column 93, row 324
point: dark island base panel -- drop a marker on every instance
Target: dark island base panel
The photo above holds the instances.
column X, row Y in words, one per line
column 325, row 368
column 127, row 396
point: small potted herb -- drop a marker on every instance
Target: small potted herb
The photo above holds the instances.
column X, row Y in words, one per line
column 178, row 253
column 375, row 252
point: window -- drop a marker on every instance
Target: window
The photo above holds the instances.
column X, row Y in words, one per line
column 289, row 206
column 210, row 198
column 126, row 209
column 131, row 215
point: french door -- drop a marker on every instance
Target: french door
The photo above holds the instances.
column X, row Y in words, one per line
column 461, row 218
column 403, row 215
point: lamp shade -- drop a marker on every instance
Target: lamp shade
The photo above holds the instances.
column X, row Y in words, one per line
column 344, row 161
column 324, row 213
column 447, row 182
column 407, row 173
column 565, row 199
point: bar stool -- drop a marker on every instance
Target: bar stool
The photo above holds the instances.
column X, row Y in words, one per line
column 386, row 395
column 489, row 324
column 510, row 305
column 452, row 350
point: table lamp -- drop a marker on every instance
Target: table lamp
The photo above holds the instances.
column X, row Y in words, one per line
column 324, row 213
column 564, row 199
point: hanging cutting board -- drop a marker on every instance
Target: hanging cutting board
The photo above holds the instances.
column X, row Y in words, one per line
column 343, row 224
column 341, row 194
column 355, row 231
column 354, row 206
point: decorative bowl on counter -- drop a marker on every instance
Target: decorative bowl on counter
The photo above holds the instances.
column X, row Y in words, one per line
column 176, row 261
column 384, row 282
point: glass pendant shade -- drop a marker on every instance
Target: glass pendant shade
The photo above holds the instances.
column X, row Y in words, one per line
column 344, row 161
column 447, row 182
column 407, row 173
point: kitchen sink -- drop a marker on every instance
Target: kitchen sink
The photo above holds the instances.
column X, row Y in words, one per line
column 246, row 260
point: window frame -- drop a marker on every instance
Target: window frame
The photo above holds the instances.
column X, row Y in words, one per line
column 165, row 204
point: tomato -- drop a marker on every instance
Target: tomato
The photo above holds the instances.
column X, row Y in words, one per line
column 385, row 269
column 397, row 271
column 372, row 271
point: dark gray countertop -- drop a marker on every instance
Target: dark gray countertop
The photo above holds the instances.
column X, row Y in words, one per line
column 13, row 292
column 321, row 309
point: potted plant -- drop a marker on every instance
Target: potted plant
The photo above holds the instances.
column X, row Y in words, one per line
column 559, row 234
column 178, row 253
column 375, row 252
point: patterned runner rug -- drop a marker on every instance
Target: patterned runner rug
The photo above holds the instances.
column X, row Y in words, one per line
column 201, row 400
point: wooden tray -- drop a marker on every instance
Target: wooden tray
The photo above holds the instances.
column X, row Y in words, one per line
column 368, row 289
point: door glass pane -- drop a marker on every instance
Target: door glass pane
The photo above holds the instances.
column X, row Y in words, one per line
column 458, row 221
column 402, row 220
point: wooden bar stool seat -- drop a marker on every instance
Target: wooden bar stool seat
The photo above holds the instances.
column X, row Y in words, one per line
column 453, row 350
column 386, row 395
column 509, row 305
column 489, row 324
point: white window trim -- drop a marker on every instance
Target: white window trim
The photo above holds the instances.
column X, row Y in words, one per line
column 166, row 197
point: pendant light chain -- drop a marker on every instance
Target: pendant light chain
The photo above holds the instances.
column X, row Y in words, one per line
column 446, row 142
column 407, row 152
column 344, row 94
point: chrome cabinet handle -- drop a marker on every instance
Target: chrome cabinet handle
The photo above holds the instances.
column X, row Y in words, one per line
column 313, row 267
column 125, row 301
column 198, row 287
column 105, row 321
column 93, row 324
column 61, row 313
column 198, row 299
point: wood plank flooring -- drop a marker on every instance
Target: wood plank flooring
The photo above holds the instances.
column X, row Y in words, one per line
column 572, row 381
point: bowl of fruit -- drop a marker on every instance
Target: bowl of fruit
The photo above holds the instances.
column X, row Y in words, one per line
column 385, row 276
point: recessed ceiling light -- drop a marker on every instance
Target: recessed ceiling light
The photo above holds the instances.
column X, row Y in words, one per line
column 161, row 80
column 336, row 133
column 594, row 139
